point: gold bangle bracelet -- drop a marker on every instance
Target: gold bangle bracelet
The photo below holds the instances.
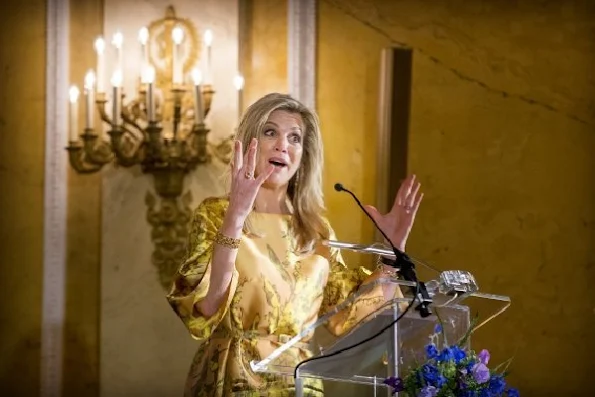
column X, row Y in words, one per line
column 228, row 242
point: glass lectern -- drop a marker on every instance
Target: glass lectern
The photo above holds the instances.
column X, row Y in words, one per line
column 378, row 346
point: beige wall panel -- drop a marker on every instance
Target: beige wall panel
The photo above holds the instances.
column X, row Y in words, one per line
column 501, row 137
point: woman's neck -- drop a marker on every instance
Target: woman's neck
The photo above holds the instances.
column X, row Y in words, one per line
column 271, row 200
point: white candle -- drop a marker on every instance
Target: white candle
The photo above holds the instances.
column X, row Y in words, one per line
column 208, row 38
column 148, row 78
column 177, row 65
column 100, row 48
column 117, row 42
column 89, row 99
column 116, row 105
column 198, row 109
column 238, row 82
column 143, row 37
column 73, row 93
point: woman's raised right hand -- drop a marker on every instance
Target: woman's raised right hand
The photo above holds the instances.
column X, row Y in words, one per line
column 244, row 186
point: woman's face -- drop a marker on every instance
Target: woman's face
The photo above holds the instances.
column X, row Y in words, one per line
column 280, row 144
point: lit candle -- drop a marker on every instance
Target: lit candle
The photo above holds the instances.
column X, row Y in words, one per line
column 177, row 64
column 116, row 105
column 90, row 98
column 117, row 42
column 208, row 38
column 143, row 37
column 100, row 48
column 73, row 93
column 238, row 82
column 198, row 110
column 148, row 78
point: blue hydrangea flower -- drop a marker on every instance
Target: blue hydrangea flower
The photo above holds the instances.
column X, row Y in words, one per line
column 446, row 354
column 468, row 393
column 437, row 328
column 481, row 373
column 484, row 357
column 431, row 351
column 395, row 383
column 430, row 373
column 458, row 354
column 428, row 391
column 497, row 385
column 512, row 392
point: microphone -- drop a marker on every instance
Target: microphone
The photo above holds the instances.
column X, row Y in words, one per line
column 403, row 263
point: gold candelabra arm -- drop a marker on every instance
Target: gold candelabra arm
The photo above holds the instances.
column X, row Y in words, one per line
column 223, row 150
column 158, row 151
column 128, row 151
column 128, row 118
column 100, row 102
column 96, row 151
column 77, row 157
column 125, row 117
column 196, row 145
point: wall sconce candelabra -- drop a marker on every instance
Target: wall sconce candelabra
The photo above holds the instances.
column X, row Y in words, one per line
column 162, row 129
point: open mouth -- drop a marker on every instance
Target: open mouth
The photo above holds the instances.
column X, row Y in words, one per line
column 278, row 163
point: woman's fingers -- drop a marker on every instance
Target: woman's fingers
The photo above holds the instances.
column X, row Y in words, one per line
column 373, row 212
column 403, row 193
column 417, row 202
column 412, row 197
column 237, row 158
column 250, row 158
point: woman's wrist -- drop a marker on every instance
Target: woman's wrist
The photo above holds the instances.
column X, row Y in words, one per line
column 233, row 223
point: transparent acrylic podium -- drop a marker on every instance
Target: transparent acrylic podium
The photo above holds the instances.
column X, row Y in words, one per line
column 376, row 347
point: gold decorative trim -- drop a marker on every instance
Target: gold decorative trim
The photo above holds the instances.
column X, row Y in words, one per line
column 169, row 233
column 161, row 49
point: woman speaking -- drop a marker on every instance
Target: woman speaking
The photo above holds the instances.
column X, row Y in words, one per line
column 256, row 272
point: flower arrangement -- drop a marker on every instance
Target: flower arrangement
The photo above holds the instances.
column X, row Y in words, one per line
column 453, row 372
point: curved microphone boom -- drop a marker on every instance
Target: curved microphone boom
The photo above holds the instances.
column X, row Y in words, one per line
column 406, row 267
column 340, row 188
column 403, row 263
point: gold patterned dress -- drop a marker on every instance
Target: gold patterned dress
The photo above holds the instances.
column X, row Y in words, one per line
column 274, row 294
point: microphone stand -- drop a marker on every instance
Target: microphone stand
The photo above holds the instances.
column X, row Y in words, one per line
column 406, row 268
column 403, row 264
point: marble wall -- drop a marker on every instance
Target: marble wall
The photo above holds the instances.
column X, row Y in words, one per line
column 145, row 349
column 265, row 48
column 501, row 136
column 22, row 129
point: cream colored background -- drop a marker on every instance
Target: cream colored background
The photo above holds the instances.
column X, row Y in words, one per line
column 145, row 350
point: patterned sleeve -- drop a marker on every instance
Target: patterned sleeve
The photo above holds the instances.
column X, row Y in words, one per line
column 342, row 282
column 191, row 282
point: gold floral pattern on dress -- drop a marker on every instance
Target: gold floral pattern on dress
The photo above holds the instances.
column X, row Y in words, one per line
column 274, row 294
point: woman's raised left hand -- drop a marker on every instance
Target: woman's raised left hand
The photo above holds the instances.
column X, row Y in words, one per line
column 398, row 222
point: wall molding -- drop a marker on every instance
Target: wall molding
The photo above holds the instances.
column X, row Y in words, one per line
column 55, row 198
column 301, row 49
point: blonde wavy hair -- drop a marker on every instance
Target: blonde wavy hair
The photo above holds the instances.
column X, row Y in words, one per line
column 305, row 187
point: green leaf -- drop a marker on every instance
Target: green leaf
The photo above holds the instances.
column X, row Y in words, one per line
column 504, row 364
column 470, row 330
